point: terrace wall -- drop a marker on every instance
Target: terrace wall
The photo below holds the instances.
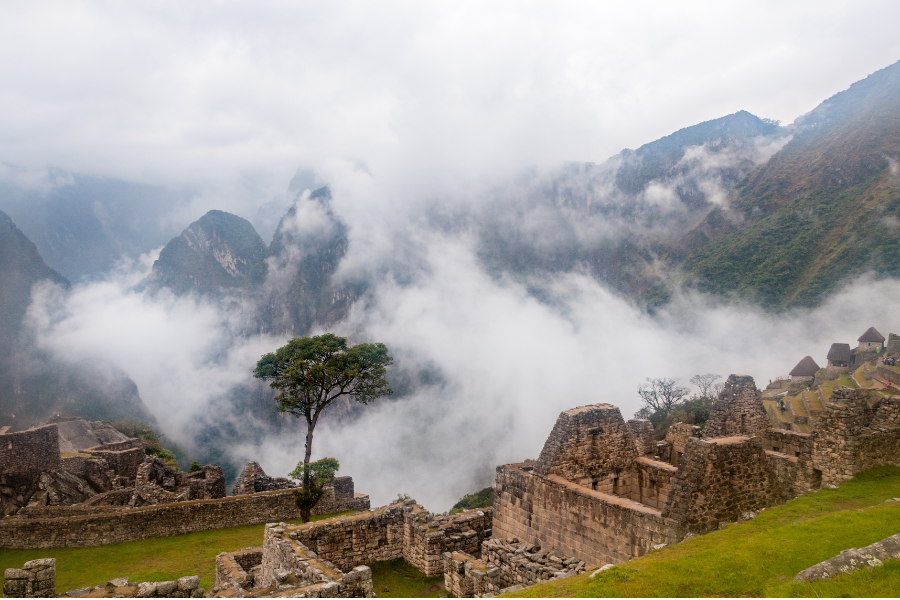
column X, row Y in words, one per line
column 162, row 520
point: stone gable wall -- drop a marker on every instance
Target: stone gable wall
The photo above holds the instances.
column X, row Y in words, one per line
column 738, row 410
column 587, row 442
column 162, row 520
column 644, row 438
column 29, row 452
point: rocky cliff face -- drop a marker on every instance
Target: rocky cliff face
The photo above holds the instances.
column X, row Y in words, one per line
column 216, row 253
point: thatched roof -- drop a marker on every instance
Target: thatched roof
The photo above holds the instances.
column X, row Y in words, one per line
column 839, row 353
column 871, row 335
column 805, row 368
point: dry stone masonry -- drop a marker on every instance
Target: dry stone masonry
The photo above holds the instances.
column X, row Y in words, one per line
column 185, row 587
column 36, row 579
column 601, row 493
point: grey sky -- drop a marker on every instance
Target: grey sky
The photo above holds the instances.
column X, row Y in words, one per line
column 233, row 97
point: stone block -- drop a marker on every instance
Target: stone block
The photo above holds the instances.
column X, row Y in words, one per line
column 16, row 574
column 188, row 583
column 40, row 563
column 146, row 589
column 165, row 588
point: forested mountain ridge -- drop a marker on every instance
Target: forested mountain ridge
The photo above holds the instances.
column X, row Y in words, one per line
column 824, row 208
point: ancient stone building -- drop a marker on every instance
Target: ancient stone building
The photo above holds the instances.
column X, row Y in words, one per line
column 597, row 495
column 253, row 479
column 871, row 341
column 839, row 355
column 805, row 371
column 738, row 410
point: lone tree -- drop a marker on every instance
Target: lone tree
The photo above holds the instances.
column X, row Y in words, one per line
column 312, row 372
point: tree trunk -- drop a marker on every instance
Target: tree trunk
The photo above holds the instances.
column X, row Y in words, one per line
column 306, row 512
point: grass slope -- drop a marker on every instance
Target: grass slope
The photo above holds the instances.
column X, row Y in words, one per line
column 761, row 557
column 159, row 559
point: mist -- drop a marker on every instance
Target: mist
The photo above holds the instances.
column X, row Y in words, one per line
column 508, row 355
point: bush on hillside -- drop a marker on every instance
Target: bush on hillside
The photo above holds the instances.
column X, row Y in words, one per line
column 480, row 499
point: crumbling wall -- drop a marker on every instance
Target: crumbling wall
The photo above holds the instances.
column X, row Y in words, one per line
column 185, row 587
column 124, row 462
column 586, row 524
column 238, row 569
column 253, row 479
column 676, row 441
column 643, row 435
column 158, row 521
column 588, row 444
column 719, row 480
column 36, row 579
column 738, row 410
column 649, row 482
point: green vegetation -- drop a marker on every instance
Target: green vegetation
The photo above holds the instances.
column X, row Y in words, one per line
column 158, row 559
column 480, row 499
column 398, row 579
column 314, row 475
column 761, row 557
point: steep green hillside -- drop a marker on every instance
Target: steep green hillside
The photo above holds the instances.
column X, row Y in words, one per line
column 824, row 208
column 761, row 557
column 218, row 251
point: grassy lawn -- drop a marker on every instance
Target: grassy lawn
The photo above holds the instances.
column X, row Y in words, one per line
column 846, row 381
column 158, row 559
column 398, row 579
column 761, row 557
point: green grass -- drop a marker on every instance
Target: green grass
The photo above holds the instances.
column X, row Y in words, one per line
column 761, row 557
column 846, row 381
column 399, row 579
column 158, row 559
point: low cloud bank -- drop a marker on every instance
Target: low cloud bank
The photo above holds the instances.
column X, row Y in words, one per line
column 507, row 362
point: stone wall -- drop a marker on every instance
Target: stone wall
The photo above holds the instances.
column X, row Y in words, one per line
column 36, row 579
column 649, row 482
column 798, row 475
column 123, row 462
column 185, row 587
column 592, row 526
column 888, row 374
column 24, row 456
column 719, row 480
column 852, row 436
column 29, row 452
column 162, row 520
column 676, row 441
column 738, row 410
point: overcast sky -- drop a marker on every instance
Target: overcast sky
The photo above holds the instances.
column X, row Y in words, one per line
column 233, row 97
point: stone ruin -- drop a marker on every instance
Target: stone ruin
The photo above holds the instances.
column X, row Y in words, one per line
column 71, row 466
column 253, row 479
column 327, row 558
column 602, row 493
column 75, row 483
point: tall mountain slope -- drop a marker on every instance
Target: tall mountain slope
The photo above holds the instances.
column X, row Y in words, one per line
column 307, row 247
column 33, row 384
column 826, row 207
column 218, row 252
